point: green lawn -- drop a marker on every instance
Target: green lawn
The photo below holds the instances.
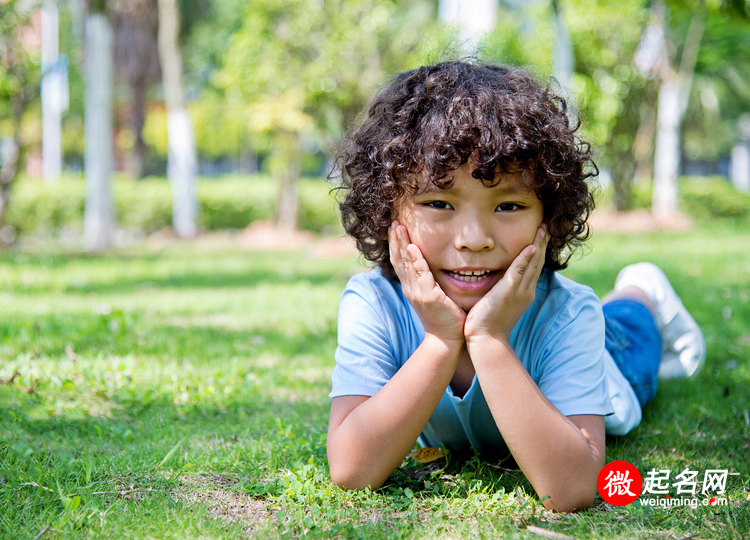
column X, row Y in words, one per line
column 182, row 393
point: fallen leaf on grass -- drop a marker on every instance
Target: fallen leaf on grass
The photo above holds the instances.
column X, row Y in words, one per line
column 426, row 455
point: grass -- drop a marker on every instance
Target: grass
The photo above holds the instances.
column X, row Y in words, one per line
column 182, row 393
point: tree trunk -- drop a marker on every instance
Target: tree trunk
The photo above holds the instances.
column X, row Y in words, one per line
column 740, row 163
column 674, row 92
column 667, row 150
column 181, row 162
column 287, row 150
column 136, row 161
column 52, row 87
column 474, row 19
column 98, row 216
column 8, row 165
column 622, row 178
column 564, row 60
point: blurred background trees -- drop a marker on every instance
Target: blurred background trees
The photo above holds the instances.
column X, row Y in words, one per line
column 270, row 86
column 20, row 78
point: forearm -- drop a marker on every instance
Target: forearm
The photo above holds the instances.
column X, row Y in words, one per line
column 553, row 453
column 373, row 439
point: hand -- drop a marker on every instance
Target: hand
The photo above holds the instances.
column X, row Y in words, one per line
column 500, row 309
column 440, row 316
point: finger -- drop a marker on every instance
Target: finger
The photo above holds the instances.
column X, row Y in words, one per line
column 519, row 268
column 400, row 258
column 398, row 240
column 411, row 265
column 540, row 242
column 421, row 268
column 533, row 268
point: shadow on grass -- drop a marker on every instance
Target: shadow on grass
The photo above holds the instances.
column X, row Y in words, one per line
column 247, row 276
column 123, row 334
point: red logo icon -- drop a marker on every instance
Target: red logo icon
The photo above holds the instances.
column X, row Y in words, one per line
column 619, row 483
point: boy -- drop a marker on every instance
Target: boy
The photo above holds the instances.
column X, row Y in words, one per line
column 466, row 186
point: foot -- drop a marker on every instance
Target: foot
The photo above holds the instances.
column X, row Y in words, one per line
column 684, row 349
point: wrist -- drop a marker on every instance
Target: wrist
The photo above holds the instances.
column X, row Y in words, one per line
column 447, row 344
column 479, row 338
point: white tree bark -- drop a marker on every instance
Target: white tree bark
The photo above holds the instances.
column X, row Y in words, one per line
column 182, row 164
column 674, row 92
column 740, row 164
column 474, row 18
column 98, row 216
column 52, row 100
column 287, row 148
column 740, row 171
column 667, row 150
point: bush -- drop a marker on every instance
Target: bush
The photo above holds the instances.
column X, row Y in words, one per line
column 714, row 198
column 704, row 198
column 146, row 205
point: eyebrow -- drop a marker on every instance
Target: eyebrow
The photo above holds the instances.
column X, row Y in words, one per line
column 503, row 188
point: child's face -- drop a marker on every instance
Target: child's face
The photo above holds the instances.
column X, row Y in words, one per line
column 470, row 234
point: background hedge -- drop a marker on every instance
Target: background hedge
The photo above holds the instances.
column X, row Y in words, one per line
column 146, row 205
column 236, row 201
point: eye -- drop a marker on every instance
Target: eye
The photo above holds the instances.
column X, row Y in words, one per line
column 440, row 205
column 509, row 207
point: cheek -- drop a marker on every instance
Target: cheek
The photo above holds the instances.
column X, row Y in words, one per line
column 421, row 231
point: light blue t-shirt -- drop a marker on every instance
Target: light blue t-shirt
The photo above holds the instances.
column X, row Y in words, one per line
column 559, row 340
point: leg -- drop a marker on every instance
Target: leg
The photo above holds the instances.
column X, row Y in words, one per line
column 684, row 349
column 633, row 340
column 630, row 292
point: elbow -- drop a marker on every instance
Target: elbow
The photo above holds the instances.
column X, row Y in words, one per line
column 351, row 480
column 349, row 475
column 567, row 501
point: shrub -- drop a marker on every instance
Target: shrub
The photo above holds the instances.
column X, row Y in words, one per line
column 146, row 205
column 705, row 198
column 714, row 198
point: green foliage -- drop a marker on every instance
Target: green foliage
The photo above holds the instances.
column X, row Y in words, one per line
column 315, row 64
column 182, row 393
column 707, row 199
column 714, row 198
column 221, row 128
column 146, row 205
column 20, row 73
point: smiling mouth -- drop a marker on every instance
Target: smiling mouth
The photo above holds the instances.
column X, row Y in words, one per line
column 471, row 276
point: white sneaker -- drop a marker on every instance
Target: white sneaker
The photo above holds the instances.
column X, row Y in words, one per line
column 684, row 349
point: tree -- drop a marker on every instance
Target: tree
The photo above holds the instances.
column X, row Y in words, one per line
column 20, row 78
column 136, row 24
column 309, row 67
column 674, row 91
column 604, row 88
column 98, row 219
column 182, row 162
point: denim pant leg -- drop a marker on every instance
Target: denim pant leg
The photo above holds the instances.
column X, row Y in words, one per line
column 635, row 344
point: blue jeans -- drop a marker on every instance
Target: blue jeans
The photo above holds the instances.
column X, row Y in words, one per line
column 635, row 345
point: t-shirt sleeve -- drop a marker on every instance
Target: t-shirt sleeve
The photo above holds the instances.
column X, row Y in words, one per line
column 569, row 364
column 365, row 357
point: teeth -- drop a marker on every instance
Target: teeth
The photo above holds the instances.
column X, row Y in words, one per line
column 470, row 276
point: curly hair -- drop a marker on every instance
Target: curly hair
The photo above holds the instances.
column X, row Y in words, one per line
column 429, row 121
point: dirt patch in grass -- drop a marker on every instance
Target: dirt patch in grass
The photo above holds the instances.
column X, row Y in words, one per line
column 215, row 493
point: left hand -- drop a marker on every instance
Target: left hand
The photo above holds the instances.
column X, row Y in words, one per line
column 498, row 312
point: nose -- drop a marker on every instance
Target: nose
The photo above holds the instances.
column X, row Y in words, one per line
column 474, row 235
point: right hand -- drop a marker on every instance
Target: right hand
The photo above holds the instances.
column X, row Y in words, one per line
column 440, row 315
